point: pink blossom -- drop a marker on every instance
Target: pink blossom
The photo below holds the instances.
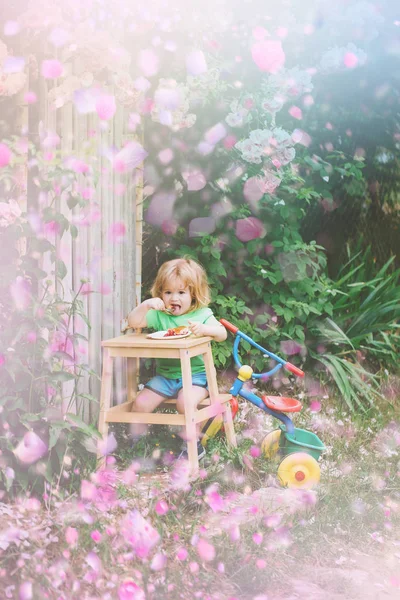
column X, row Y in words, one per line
column 129, row 590
column 257, row 538
column 117, row 232
column 71, row 536
column 148, row 62
column 215, row 134
column 315, row 406
column 139, row 533
column 249, row 229
column 51, row 69
column 25, row 591
column 196, row 63
column 161, row 507
column 295, row 112
column 350, row 60
column 88, row 490
column 215, row 501
column 30, row 449
column 161, row 208
column 30, row 97
column 9, row 213
column 2, row 359
column 5, row 155
column 159, row 561
column 20, row 291
column 129, row 157
column 182, row 554
column 268, row 55
column 201, row 226
column 165, row 156
column 255, row 451
column 229, row 142
column 205, row 550
column 96, row 536
column 11, row 28
column 195, row 180
column 106, row 107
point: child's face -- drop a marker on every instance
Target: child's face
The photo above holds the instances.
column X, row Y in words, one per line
column 177, row 297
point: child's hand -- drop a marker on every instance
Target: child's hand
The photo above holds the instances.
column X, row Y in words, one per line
column 197, row 328
column 155, row 304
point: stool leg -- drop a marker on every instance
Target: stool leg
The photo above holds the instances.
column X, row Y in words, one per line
column 214, row 396
column 228, row 426
column 211, row 375
column 105, row 399
column 190, row 425
column 132, row 369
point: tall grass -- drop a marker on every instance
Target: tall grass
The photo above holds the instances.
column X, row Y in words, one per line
column 362, row 338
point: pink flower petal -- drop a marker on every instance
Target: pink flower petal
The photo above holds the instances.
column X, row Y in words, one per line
column 51, row 69
column 11, row 28
column 268, row 55
column 167, row 98
column 106, row 107
column 165, row 156
column 215, row 134
column 148, row 62
column 161, row 208
column 205, row 550
column 30, row 449
column 201, row 226
column 161, row 507
column 249, row 229
column 21, row 293
column 71, row 536
column 130, row 157
column 129, row 590
column 350, row 60
column 5, row 155
column 13, row 64
column 196, row 63
column 253, row 189
column 195, row 180
column 295, row 112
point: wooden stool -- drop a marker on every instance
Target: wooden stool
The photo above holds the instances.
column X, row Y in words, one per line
column 137, row 346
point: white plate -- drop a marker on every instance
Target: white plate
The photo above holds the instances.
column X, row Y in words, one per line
column 160, row 335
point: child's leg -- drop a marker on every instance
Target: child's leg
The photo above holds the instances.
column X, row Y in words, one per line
column 146, row 401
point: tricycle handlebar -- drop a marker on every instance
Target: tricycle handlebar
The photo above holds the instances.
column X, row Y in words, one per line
column 229, row 326
column 240, row 335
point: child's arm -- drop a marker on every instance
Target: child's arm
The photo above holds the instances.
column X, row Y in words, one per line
column 218, row 332
column 137, row 317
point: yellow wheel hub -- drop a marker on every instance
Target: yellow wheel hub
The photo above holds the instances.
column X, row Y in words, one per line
column 270, row 444
column 299, row 470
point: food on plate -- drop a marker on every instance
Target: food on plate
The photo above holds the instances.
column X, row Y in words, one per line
column 182, row 330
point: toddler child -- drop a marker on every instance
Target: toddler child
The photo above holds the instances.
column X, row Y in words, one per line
column 182, row 289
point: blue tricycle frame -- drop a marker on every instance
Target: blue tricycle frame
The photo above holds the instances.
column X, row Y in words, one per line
column 298, row 448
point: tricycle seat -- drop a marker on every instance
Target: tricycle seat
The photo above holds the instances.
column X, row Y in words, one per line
column 282, row 404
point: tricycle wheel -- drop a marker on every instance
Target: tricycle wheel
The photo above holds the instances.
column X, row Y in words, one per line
column 270, row 444
column 299, row 470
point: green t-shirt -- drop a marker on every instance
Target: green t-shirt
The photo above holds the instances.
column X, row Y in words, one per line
column 160, row 321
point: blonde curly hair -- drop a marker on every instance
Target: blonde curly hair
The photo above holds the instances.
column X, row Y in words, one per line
column 190, row 273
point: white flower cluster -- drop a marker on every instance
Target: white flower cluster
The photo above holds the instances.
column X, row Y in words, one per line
column 240, row 115
column 10, row 83
column 172, row 111
column 334, row 58
column 9, row 213
column 268, row 146
column 288, row 83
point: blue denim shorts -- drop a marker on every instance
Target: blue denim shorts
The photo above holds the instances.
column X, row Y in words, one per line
column 169, row 388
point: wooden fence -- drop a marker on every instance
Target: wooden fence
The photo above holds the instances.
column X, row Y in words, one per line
column 113, row 266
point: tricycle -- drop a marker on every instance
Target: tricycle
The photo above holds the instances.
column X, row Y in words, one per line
column 297, row 449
